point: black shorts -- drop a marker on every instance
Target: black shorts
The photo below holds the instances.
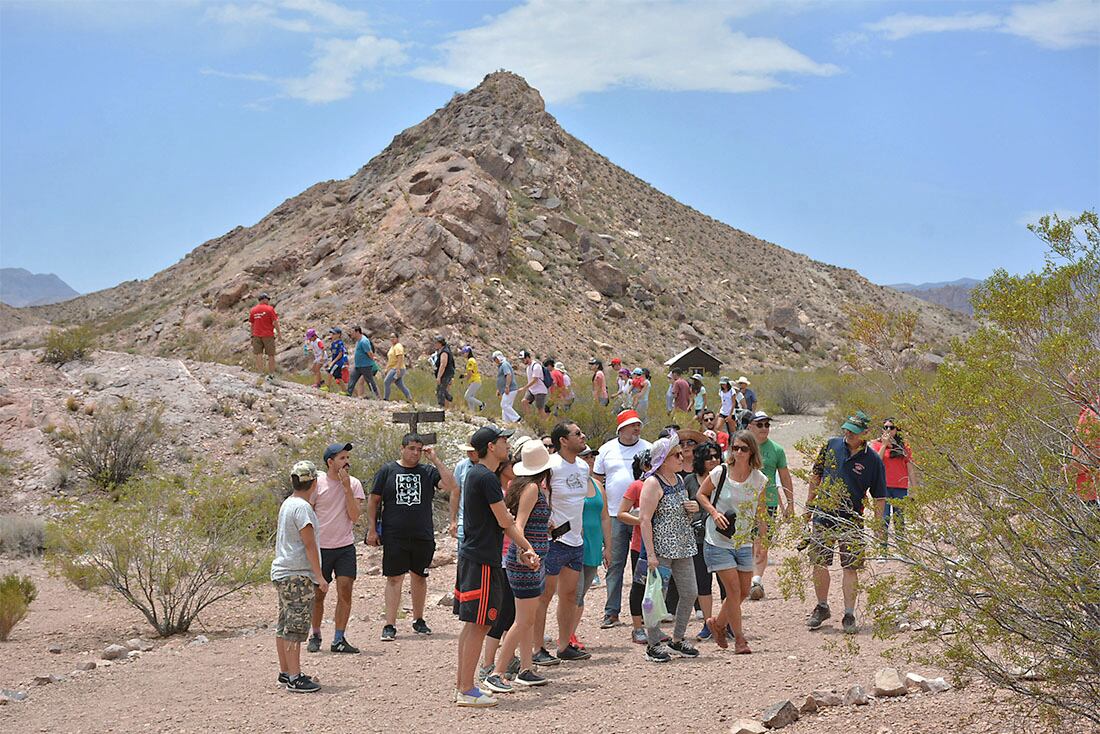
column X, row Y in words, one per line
column 401, row 555
column 479, row 591
column 340, row 561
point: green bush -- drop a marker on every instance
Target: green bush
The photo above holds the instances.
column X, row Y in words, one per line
column 16, row 595
column 170, row 546
column 116, row 446
column 22, row 535
column 68, row 345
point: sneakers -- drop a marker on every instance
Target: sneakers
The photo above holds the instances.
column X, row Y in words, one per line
column 302, row 684
column 421, row 627
column 542, row 657
column 344, row 646
column 314, row 644
column 849, row 624
column 474, row 699
column 684, row 649
column 639, row 637
column 284, row 678
column 756, row 593
column 512, row 670
column 609, row 621
column 818, row 615
column 529, row 678
column 483, row 672
column 657, row 654
column 389, row 633
column 570, row 654
column 497, row 684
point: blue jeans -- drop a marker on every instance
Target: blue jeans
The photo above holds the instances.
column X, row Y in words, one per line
column 395, row 376
column 895, row 510
column 620, row 551
column 367, row 374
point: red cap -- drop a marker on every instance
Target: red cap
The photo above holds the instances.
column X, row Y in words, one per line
column 616, row 360
column 626, row 418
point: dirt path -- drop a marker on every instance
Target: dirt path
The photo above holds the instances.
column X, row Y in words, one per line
column 228, row 684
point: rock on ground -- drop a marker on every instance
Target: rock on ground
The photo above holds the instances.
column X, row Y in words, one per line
column 888, row 683
column 780, row 714
column 856, row 696
column 114, row 652
column 747, row 726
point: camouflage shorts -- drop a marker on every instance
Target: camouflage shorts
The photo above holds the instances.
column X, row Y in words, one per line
column 295, row 605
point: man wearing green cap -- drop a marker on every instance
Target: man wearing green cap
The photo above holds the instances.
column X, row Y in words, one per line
column 845, row 470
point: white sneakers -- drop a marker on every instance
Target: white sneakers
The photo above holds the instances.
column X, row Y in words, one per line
column 480, row 700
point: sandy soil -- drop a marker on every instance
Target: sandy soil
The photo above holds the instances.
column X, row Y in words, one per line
column 228, row 684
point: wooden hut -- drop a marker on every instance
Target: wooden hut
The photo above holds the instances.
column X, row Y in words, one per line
column 695, row 359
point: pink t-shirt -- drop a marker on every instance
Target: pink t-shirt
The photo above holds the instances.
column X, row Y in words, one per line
column 334, row 527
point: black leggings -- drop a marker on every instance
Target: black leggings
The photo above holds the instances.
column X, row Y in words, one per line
column 507, row 614
column 637, row 591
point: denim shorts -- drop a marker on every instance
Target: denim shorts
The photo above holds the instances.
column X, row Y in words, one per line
column 722, row 559
column 562, row 556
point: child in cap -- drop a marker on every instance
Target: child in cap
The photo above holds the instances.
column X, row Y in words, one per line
column 338, row 358
column 315, row 348
column 295, row 572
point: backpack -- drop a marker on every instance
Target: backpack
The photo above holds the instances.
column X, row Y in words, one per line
column 547, row 376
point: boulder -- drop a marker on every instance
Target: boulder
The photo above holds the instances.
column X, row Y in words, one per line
column 605, row 277
column 687, row 333
column 809, row 705
column 114, row 652
column 914, row 682
column 780, row 714
column 232, row 292
column 45, row 680
column 788, row 321
column 936, row 685
column 54, row 649
column 561, row 225
column 535, row 265
column 615, row 311
column 10, row 695
column 136, row 643
column 888, row 683
column 593, row 296
column 747, row 726
column 86, row 666
column 856, row 696
column 929, row 362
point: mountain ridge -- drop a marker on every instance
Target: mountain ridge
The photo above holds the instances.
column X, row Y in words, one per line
column 487, row 222
column 20, row 287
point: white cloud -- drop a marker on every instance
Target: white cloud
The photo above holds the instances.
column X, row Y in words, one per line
column 1056, row 24
column 904, row 25
column 338, row 64
column 297, row 16
column 566, row 49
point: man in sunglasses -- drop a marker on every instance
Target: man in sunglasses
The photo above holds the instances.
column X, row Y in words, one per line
column 774, row 460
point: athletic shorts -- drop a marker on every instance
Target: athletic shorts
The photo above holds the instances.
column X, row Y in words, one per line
column 562, row 556
column 401, row 555
column 539, row 401
column 479, row 591
column 295, row 605
column 848, row 540
column 339, row 561
column 263, row 345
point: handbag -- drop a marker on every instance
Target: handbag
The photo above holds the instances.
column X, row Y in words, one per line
column 653, row 602
column 731, row 516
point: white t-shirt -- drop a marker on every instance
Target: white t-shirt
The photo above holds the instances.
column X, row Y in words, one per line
column 568, row 487
column 614, row 463
column 290, row 552
column 727, row 402
column 742, row 498
column 534, row 370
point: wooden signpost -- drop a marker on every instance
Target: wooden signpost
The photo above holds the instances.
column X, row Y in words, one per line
column 415, row 418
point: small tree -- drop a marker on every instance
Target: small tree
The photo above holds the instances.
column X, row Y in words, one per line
column 171, row 546
column 117, row 444
column 65, row 346
column 16, row 595
column 1003, row 558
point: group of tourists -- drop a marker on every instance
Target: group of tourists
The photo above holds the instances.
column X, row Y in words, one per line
column 536, row 519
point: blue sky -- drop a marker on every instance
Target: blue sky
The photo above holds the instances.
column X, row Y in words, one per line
column 911, row 141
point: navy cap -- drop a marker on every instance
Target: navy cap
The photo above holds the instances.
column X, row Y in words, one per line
column 484, row 436
column 335, row 448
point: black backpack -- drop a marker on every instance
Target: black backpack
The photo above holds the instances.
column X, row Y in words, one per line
column 547, row 377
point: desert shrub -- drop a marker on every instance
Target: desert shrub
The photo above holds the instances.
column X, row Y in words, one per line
column 1001, row 544
column 116, row 446
column 72, row 404
column 791, row 393
column 22, row 535
column 16, row 595
column 66, row 345
column 170, row 546
column 597, row 421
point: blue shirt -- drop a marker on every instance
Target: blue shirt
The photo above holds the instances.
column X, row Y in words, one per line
column 860, row 472
column 505, row 378
column 750, row 399
column 338, row 354
column 363, row 348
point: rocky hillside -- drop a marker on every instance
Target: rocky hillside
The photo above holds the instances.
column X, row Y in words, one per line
column 488, row 222
column 19, row 287
column 954, row 295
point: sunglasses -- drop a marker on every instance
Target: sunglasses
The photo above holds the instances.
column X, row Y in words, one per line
column 714, row 457
column 888, row 428
column 763, row 424
column 577, row 434
column 739, row 447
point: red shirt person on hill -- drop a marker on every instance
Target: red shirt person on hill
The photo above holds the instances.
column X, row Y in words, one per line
column 265, row 327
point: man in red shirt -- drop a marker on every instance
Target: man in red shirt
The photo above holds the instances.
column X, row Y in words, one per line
column 265, row 327
column 681, row 390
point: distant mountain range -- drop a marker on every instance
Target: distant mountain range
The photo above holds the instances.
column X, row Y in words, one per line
column 954, row 294
column 19, row 287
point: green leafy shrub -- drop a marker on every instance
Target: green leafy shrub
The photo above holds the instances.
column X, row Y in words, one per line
column 16, row 595
column 67, row 345
column 22, row 535
column 117, row 444
column 170, row 546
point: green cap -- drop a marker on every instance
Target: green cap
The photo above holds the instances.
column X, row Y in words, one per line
column 304, row 471
column 857, row 423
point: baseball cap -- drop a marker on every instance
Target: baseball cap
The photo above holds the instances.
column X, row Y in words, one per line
column 589, row 451
column 593, row 360
column 498, row 355
column 336, row 330
column 697, row 376
column 304, row 470
column 759, row 416
column 484, row 436
column 724, row 381
column 857, row 423
column 264, row 297
column 335, row 448
column 524, row 354
column 616, row 360
column 465, row 447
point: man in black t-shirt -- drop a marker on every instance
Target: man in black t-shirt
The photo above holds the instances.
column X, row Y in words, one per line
column 480, row 578
column 404, row 489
